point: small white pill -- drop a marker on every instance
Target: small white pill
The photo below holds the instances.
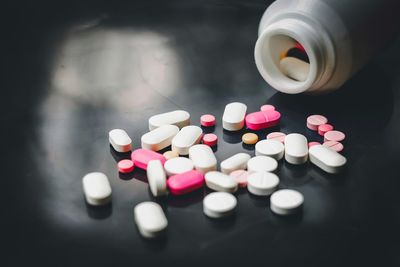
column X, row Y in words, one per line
column 286, row 202
column 97, row 188
column 233, row 117
column 296, row 148
column 179, row 118
column 150, row 219
column 159, row 138
column 157, row 178
column 236, row 162
column 120, row 140
column 271, row 148
column 262, row 183
column 178, row 165
column 219, row 204
column 295, row 68
column 186, row 137
column 327, row 159
column 219, row 181
column 203, row 158
column 262, row 163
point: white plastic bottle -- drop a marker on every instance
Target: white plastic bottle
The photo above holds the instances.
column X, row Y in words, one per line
column 339, row 37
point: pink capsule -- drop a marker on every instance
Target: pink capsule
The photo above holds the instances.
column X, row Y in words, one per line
column 186, row 182
column 125, row 166
column 334, row 136
column 240, row 176
column 267, row 108
column 210, row 139
column 337, row 146
column 323, row 128
column 278, row 136
column 314, row 121
column 141, row 157
column 262, row 119
column 310, row 144
column 207, row 120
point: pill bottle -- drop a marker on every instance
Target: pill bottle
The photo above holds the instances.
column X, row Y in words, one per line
column 339, row 37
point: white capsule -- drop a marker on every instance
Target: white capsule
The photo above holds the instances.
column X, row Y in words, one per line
column 295, row 68
column 219, row 204
column 97, row 188
column 233, row 118
column 271, row 148
column 179, row 118
column 150, row 219
column 178, row 165
column 296, row 148
column 327, row 159
column 203, row 158
column 219, row 181
column 286, row 202
column 159, row 138
column 236, row 162
column 262, row 183
column 157, row 178
column 186, row 137
column 262, row 163
column 120, row 140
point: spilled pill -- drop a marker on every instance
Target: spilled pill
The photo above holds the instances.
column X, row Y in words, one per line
column 267, row 108
column 249, row 138
column 179, row 118
column 262, row 119
column 157, row 178
column 207, row 120
column 185, row 138
column 185, row 182
column 219, row 204
column 178, row 165
column 141, row 157
column 296, row 148
column 322, row 129
column 233, row 117
column 235, row 162
column 337, row 146
column 286, row 202
column 219, row 181
column 96, row 188
column 120, row 140
column 150, row 219
column 170, row 154
column 262, row 163
column 314, row 121
column 159, row 138
column 262, row 183
column 327, row 159
column 203, row 158
column 278, row 136
column 310, row 144
column 334, row 136
column 271, row 148
column 210, row 139
column 125, row 166
column 240, row 176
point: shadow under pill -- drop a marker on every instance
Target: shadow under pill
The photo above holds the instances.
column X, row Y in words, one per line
column 259, row 201
column 125, row 176
column 224, row 222
column 98, row 212
column 139, row 174
column 233, row 137
column 207, row 130
column 186, row 200
column 248, row 147
column 214, row 148
column 288, row 220
column 157, row 243
column 118, row 156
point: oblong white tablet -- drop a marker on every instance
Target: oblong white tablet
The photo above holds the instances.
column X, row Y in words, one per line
column 233, row 118
column 150, row 219
column 286, row 202
column 262, row 183
column 219, row 181
column 179, row 118
column 157, row 178
column 296, row 148
column 97, row 188
column 295, row 68
column 159, row 138
column 271, row 148
column 236, row 162
column 326, row 158
column 186, row 137
column 219, row 204
column 120, row 140
column 203, row 158
column 262, row 163
column 178, row 165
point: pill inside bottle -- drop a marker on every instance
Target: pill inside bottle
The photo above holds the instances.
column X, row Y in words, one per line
column 294, row 63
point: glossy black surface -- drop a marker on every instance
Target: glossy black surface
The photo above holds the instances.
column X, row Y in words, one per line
column 78, row 69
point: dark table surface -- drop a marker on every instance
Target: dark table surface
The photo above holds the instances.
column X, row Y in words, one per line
column 78, row 69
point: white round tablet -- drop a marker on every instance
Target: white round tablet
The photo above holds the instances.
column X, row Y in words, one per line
column 286, row 201
column 178, row 165
column 271, row 148
column 219, row 204
column 262, row 163
column 262, row 183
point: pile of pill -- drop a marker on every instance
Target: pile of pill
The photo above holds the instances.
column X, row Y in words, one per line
column 294, row 63
column 190, row 163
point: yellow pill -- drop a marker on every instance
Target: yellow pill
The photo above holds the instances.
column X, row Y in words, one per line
column 170, row 154
column 249, row 138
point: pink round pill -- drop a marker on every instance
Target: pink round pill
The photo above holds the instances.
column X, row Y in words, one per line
column 125, row 166
column 337, row 136
column 240, row 176
column 314, row 121
column 278, row 136
column 267, row 107
column 210, row 139
column 207, row 120
column 323, row 128
column 310, row 144
column 337, row 146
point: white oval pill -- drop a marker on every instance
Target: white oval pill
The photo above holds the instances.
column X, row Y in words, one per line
column 271, row 148
column 178, row 165
column 186, row 137
column 233, row 117
column 97, row 188
column 236, row 162
column 262, row 163
column 219, row 204
column 179, row 118
column 326, row 158
column 150, row 219
column 120, row 140
column 296, row 148
column 295, row 68
column 219, row 181
column 157, row 178
column 203, row 158
column 159, row 138
column 262, row 183
column 286, row 201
